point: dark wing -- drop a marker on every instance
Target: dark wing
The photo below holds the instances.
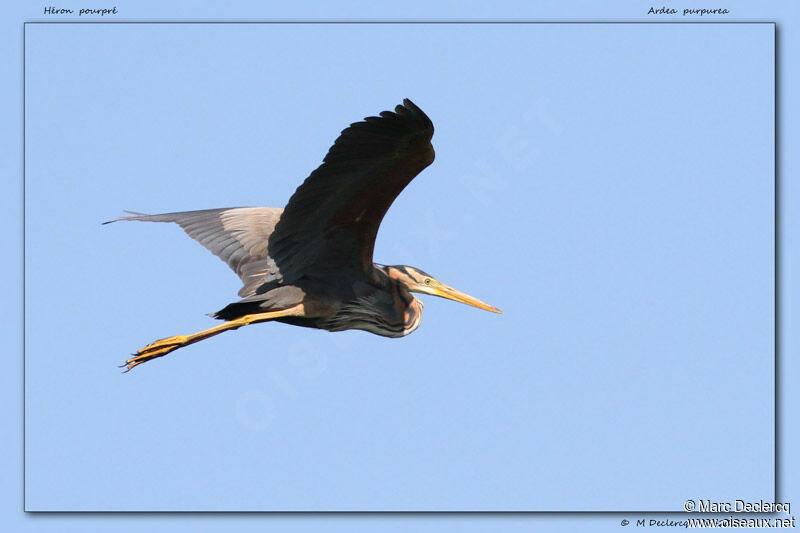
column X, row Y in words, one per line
column 237, row 235
column 331, row 221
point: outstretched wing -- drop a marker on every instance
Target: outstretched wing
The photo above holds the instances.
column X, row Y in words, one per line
column 331, row 221
column 237, row 235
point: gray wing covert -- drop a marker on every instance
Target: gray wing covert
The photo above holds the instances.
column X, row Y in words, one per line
column 238, row 235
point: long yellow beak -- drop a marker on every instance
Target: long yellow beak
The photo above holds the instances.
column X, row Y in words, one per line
column 450, row 293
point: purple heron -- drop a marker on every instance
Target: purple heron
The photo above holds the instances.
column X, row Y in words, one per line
column 310, row 263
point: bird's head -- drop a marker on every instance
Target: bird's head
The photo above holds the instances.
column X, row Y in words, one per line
column 415, row 280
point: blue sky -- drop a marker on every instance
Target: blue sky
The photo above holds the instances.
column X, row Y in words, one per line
column 618, row 208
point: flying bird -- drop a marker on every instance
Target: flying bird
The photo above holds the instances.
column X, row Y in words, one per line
column 310, row 263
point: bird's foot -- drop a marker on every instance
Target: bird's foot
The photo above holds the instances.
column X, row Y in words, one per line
column 158, row 348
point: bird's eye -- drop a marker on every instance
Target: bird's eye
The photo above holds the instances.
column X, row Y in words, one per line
column 428, row 281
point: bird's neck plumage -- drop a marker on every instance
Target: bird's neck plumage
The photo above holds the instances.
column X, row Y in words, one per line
column 409, row 307
column 405, row 304
column 390, row 310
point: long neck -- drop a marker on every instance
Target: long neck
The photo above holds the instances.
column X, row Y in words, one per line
column 409, row 307
column 406, row 304
column 390, row 311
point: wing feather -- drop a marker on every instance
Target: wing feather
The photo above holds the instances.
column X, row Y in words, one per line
column 332, row 220
column 237, row 235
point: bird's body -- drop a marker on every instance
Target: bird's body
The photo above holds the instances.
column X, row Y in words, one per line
column 310, row 263
column 376, row 303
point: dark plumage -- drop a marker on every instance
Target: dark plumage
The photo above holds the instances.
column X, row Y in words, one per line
column 310, row 263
